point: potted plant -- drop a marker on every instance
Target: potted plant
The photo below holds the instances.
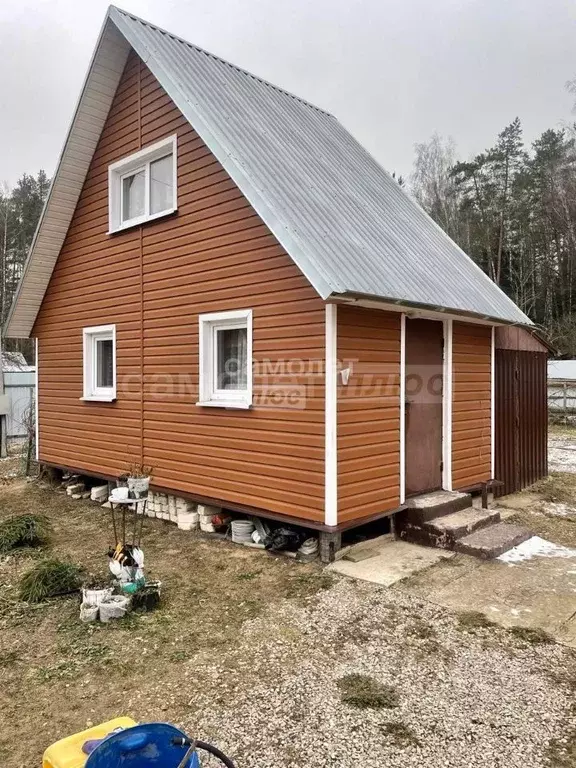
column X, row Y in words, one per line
column 139, row 479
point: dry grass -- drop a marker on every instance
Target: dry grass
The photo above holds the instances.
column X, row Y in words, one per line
column 364, row 692
column 47, row 657
column 534, row 636
column 471, row 620
column 558, row 487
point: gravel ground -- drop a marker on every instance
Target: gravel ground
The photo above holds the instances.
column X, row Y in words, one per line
column 247, row 651
column 467, row 698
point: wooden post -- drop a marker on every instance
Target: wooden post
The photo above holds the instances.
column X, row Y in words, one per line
column 565, row 386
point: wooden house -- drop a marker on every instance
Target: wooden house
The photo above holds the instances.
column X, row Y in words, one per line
column 225, row 285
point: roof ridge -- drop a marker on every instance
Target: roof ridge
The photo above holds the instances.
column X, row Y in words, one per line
column 223, row 61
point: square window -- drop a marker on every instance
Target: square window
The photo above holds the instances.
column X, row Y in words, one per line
column 226, row 359
column 100, row 363
column 142, row 187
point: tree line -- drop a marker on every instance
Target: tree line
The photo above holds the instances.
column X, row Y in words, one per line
column 20, row 209
column 512, row 208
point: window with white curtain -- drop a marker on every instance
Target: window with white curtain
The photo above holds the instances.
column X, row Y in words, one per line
column 226, row 359
column 142, row 186
column 99, row 343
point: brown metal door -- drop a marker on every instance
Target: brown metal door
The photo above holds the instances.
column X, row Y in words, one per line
column 423, row 411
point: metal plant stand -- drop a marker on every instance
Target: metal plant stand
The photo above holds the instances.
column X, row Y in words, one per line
column 119, row 508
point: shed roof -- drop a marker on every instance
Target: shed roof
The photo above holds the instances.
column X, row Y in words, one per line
column 341, row 217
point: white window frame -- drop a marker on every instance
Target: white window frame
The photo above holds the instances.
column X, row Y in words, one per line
column 89, row 338
column 208, row 326
column 128, row 166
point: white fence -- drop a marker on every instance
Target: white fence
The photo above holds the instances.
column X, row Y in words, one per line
column 19, row 386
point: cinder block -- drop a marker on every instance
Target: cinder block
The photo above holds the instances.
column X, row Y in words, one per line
column 205, row 510
column 99, row 493
column 330, row 543
column 75, row 488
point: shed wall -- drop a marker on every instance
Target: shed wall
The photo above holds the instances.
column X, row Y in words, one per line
column 215, row 254
column 368, row 413
column 471, row 406
column 521, row 419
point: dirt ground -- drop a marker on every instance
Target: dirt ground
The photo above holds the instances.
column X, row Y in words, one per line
column 249, row 650
column 57, row 675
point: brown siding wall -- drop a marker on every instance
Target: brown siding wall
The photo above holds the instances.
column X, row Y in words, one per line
column 513, row 337
column 368, row 413
column 215, row 254
column 471, row 422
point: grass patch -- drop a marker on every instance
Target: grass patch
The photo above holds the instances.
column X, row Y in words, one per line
column 364, row 692
column 471, row 620
column 534, row 636
column 400, row 735
column 421, row 630
column 64, row 670
column 7, row 658
column 249, row 575
column 24, row 531
column 307, row 584
column 49, row 578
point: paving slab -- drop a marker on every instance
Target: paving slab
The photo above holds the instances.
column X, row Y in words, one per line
column 396, row 560
column 492, row 541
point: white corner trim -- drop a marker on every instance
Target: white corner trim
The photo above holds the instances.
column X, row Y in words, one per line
column 447, row 394
column 492, row 403
column 330, row 418
column 36, row 394
column 402, row 408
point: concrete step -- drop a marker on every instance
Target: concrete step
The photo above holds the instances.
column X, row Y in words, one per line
column 428, row 506
column 454, row 526
column 492, row 541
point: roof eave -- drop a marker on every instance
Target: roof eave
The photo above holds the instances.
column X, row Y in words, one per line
column 394, row 304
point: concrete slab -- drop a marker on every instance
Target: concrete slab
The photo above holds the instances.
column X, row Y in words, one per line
column 535, row 587
column 396, row 560
column 367, row 549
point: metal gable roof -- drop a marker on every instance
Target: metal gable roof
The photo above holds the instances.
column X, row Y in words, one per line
column 345, row 222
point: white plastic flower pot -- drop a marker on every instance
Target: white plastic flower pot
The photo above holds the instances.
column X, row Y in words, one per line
column 139, row 486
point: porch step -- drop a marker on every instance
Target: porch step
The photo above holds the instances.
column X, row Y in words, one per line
column 429, row 506
column 462, row 523
column 492, row 541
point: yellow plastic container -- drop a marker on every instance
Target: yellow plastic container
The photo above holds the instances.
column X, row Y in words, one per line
column 67, row 753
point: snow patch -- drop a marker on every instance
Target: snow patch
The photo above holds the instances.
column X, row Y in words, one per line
column 535, row 547
column 557, row 509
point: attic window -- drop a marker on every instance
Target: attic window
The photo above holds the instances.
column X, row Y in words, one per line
column 100, row 363
column 142, row 186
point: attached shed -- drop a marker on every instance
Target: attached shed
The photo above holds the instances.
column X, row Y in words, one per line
column 521, row 404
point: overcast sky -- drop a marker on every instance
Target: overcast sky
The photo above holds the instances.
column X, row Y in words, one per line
column 393, row 71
